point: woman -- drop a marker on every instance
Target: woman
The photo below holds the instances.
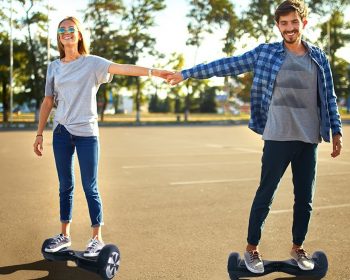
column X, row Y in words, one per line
column 72, row 83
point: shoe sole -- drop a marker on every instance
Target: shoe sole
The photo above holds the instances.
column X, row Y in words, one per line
column 90, row 255
column 54, row 250
column 252, row 270
column 302, row 267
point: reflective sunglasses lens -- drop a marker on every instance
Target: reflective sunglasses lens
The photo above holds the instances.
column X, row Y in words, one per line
column 71, row 30
column 62, row 30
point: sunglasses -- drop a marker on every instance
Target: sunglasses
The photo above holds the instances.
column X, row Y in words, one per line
column 63, row 30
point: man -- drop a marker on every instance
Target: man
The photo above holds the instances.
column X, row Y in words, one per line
column 293, row 106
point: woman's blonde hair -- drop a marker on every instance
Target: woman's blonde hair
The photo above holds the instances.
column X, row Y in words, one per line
column 82, row 44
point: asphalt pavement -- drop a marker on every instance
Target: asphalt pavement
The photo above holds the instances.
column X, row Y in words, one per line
column 176, row 203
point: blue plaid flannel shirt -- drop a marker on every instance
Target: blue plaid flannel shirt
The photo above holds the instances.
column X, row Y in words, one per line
column 265, row 61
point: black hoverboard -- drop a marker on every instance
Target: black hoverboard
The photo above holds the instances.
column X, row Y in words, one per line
column 237, row 269
column 106, row 264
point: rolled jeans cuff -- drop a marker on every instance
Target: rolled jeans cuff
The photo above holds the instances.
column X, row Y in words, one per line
column 97, row 225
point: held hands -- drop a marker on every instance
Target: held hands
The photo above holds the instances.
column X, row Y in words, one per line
column 337, row 145
column 38, row 145
column 174, row 78
column 161, row 73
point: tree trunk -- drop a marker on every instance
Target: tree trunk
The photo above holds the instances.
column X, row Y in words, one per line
column 32, row 56
column 187, row 102
column 5, row 102
column 138, row 100
column 104, row 106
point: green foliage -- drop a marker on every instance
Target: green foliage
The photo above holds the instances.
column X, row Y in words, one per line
column 199, row 23
column 207, row 100
column 259, row 19
column 341, row 75
column 339, row 34
column 105, row 39
column 324, row 7
column 139, row 19
column 20, row 60
column 122, row 34
column 156, row 105
column 336, row 29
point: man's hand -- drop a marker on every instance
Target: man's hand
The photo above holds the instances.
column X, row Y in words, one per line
column 337, row 145
column 38, row 145
column 174, row 78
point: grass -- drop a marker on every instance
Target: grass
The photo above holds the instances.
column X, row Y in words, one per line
column 159, row 118
column 147, row 117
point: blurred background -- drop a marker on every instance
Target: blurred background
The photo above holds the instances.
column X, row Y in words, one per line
column 170, row 34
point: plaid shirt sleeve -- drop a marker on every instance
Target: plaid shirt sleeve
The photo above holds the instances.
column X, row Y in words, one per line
column 332, row 100
column 229, row 66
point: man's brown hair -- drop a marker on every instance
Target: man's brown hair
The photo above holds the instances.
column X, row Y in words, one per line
column 291, row 6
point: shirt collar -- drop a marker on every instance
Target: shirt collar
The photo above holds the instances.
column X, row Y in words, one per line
column 281, row 47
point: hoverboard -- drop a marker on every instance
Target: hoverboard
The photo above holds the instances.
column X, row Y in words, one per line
column 106, row 264
column 237, row 269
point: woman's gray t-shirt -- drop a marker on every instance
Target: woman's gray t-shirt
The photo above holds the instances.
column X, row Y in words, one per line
column 74, row 86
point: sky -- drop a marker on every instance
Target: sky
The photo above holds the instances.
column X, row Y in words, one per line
column 171, row 31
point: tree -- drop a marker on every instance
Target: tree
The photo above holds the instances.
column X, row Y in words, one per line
column 208, row 100
column 105, row 38
column 20, row 60
column 340, row 73
column 203, row 18
column 138, row 20
column 5, row 68
column 259, row 20
column 36, row 45
column 153, row 103
column 334, row 34
column 324, row 7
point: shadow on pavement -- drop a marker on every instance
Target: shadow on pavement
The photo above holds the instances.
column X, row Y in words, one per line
column 297, row 278
column 288, row 278
column 56, row 270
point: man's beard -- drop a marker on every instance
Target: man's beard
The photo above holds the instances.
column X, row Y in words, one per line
column 291, row 41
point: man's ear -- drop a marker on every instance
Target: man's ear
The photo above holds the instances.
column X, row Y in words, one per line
column 304, row 22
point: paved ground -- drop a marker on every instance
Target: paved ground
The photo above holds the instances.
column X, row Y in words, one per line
column 176, row 203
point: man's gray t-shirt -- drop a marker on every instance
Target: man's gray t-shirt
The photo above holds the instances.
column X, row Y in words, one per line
column 293, row 114
column 74, row 86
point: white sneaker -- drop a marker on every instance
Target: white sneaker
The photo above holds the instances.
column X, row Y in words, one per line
column 302, row 258
column 253, row 261
column 93, row 248
column 57, row 243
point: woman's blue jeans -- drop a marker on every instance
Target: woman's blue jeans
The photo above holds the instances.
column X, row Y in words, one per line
column 277, row 155
column 64, row 146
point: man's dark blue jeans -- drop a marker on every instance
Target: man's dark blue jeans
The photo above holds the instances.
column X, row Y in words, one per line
column 276, row 157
